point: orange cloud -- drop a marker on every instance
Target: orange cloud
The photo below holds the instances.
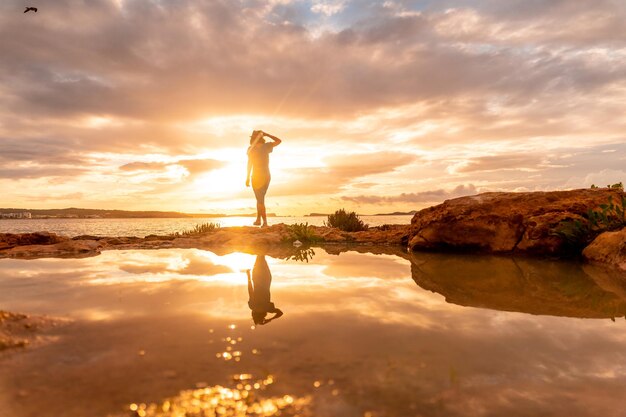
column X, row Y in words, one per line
column 405, row 97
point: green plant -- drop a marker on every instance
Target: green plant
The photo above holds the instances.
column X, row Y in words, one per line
column 610, row 216
column 577, row 234
column 302, row 232
column 200, row 229
column 616, row 186
column 302, row 255
column 348, row 222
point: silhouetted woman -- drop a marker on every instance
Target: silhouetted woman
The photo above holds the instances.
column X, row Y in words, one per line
column 259, row 292
column 259, row 166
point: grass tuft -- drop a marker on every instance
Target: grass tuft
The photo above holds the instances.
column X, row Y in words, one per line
column 200, row 229
column 302, row 232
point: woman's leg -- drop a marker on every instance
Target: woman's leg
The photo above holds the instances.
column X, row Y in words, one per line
column 257, row 222
column 264, row 214
column 259, row 193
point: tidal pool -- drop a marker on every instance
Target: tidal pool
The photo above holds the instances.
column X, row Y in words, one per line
column 171, row 333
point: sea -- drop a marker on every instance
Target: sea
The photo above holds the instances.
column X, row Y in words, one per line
column 157, row 226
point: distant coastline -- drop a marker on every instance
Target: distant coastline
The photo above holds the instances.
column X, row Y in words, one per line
column 395, row 213
column 80, row 213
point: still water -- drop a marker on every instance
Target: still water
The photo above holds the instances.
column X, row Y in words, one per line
column 338, row 333
column 144, row 227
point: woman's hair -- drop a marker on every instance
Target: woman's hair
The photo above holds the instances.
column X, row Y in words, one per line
column 255, row 134
column 259, row 317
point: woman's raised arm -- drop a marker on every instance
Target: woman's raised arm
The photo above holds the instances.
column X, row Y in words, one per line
column 274, row 138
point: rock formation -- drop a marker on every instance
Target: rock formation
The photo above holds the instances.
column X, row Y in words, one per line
column 21, row 330
column 504, row 222
column 240, row 238
column 609, row 248
column 10, row 240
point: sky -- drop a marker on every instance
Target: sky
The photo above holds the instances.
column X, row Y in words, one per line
column 381, row 105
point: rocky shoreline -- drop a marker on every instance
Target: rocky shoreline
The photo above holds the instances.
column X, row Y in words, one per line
column 496, row 223
column 21, row 330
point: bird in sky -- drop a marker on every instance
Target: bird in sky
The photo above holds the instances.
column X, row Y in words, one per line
column 28, row 9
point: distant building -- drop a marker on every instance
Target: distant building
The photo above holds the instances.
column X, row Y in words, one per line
column 20, row 215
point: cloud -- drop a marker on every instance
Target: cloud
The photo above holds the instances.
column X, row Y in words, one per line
column 144, row 166
column 44, row 150
column 499, row 162
column 419, row 197
column 339, row 172
column 33, row 172
column 193, row 166
column 473, row 88
column 56, row 197
column 198, row 166
column 160, row 60
column 327, row 8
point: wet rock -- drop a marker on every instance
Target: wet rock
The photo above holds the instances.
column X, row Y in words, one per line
column 11, row 240
column 396, row 234
column 609, row 248
column 87, row 237
column 20, row 330
column 121, row 240
column 159, row 237
column 67, row 248
column 504, row 222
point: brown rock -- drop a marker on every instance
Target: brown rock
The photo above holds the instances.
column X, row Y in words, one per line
column 504, row 222
column 121, row 240
column 67, row 248
column 87, row 237
column 331, row 234
column 159, row 237
column 384, row 235
column 11, row 240
column 20, row 330
column 609, row 248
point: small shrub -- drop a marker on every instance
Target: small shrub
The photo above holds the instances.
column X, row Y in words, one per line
column 200, row 229
column 348, row 222
column 302, row 255
column 577, row 234
column 302, row 232
column 616, row 186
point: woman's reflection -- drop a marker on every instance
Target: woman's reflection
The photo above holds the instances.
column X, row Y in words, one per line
column 259, row 291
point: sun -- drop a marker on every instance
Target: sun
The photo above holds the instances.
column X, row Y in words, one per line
column 226, row 181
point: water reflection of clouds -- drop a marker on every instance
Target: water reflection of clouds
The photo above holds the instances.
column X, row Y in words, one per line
column 189, row 280
column 176, row 264
column 392, row 346
column 355, row 265
column 173, row 281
